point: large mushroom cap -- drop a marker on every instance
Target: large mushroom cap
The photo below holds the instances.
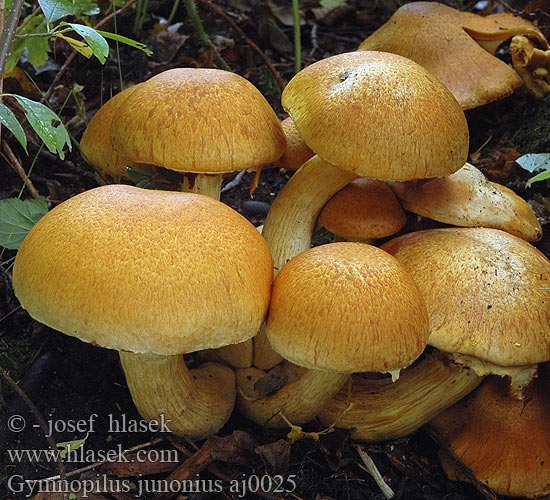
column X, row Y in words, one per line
column 145, row 271
column 443, row 40
column 486, row 291
column 466, row 198
column 378, row 115
column 503, row 441
column 347, row 307
column 198, row 120
column 365, row 209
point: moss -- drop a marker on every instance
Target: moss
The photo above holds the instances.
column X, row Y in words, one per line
column 533, row 133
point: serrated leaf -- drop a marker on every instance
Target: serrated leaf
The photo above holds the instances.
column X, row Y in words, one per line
column 17, row 218
column 539, row 177
column 533, row 162
column 97, row 43
column 8, row 119
column 126, row 41
column 57, row 9
column 46, row 124
column 78, row 45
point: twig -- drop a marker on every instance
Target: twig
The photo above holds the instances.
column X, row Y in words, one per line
column 203, row 37
column 73, row 54
column 235, row 182
column 10, row 313
column 371, row 468
column 41, row 421
column 97, row 464
column 176, row 444
column 16, row 164
column 252, row 45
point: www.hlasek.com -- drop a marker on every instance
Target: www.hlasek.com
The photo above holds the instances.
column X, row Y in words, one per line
column 82, row 488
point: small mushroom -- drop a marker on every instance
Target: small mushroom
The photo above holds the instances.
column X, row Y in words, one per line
column 457, row 47
column 502, row 441
column 466, row 198
column 363, row 211
column 487, row 293
column 336, row 309
column 153, row 274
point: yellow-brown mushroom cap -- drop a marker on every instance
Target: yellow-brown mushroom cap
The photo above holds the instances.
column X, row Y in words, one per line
column 365, row 209
column 297, row 152
column 145, row 271
column 486, row 292
column 378, row 115
column 502, row 440
column 443, row 40
column 466, row 198
column 198, row 120
column 347, row 307
column 96, row 140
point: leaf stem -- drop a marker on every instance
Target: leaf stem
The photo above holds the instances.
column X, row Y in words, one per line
column 203, row 37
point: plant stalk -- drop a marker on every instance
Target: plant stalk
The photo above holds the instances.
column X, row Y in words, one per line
column 297, row 36
column 203, row 37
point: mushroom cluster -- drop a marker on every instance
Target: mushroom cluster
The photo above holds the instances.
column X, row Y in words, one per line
column 156, row 274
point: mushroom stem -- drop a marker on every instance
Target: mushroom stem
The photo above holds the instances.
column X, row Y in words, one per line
column 300, row 401
column 290, row 222
column 387, row 410
column 205, row 184
column 194, row 403
column 237, row 355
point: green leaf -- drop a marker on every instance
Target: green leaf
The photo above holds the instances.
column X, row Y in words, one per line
column 57, row 9
column 539, row 177
column 46, row 124
column 127, row 41
column 17, row 218
column 8, row 119
column 97, row 43
column 37, row 47
column 69, row 446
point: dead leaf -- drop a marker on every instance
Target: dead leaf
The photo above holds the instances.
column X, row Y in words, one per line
column 332, row 444
column 276, row 454
column 234, row 449
column 166, row 44
column 270, row 383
